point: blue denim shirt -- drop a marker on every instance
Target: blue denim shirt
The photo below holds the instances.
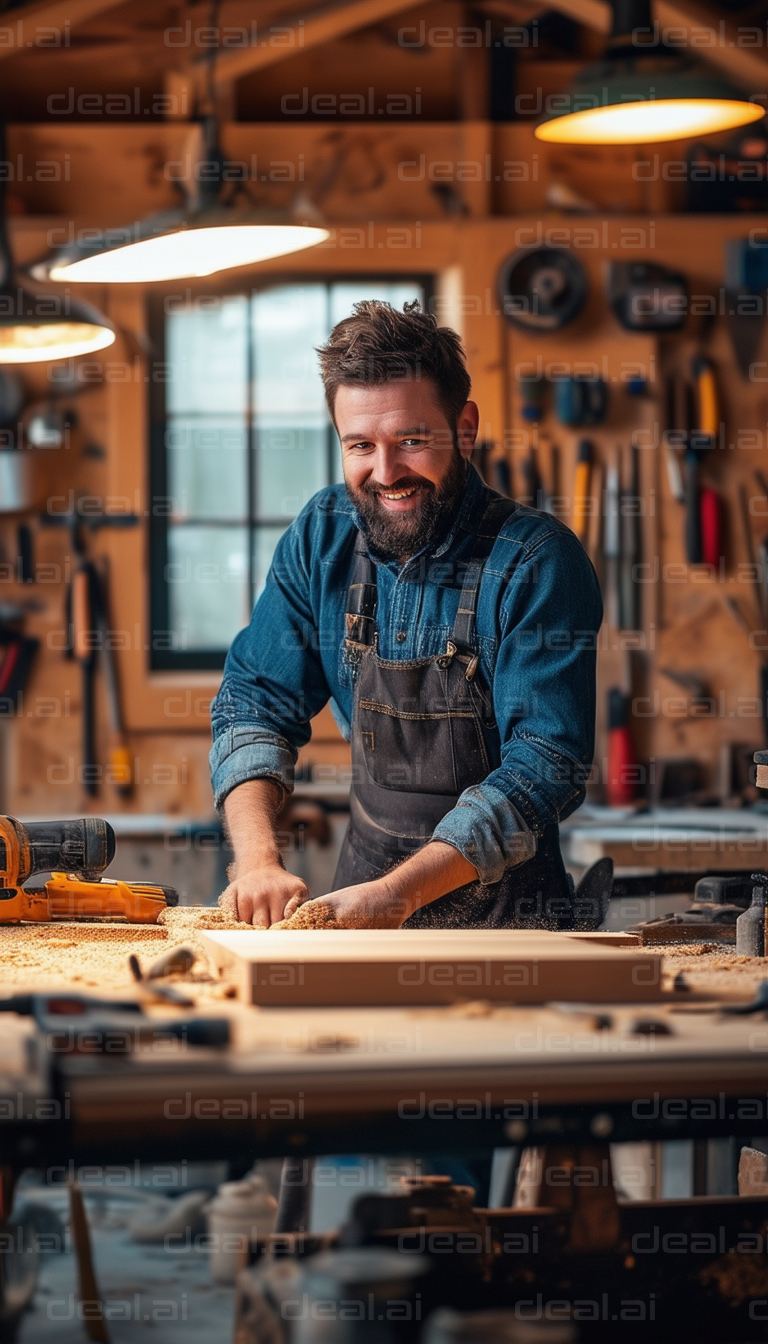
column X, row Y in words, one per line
column 538, row 614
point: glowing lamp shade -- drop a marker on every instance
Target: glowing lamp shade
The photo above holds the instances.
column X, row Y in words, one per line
column 644, row 99
column 22, row 343
column 182, row 252
column 637, row 123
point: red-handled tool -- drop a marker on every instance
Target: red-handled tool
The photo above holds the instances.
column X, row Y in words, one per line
column 622, row 775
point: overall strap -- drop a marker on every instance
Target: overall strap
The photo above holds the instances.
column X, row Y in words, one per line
column 360, row 617
column 494, row 518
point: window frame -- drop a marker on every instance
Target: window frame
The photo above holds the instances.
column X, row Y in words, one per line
column 212, row 660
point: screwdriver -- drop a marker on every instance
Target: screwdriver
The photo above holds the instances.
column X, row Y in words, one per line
column 584, row 454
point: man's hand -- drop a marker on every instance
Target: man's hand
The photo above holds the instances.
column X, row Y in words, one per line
column 261, row 896
column 368, row 905
column 389, row 900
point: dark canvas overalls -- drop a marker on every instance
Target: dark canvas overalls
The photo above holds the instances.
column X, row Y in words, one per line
column 423, row 731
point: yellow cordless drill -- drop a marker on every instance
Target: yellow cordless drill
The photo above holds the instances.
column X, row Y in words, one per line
column 75, row 853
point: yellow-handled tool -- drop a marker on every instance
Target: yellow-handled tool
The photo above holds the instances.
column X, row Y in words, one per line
column 581, row 486
column 82, row 849
column 708, row 406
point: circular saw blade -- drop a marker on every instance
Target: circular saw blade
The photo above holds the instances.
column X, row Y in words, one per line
column 542, row 289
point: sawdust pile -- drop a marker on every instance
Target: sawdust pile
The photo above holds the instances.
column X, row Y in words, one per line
column 94, row 956
column 79, row 956
column 186, row 918
column 691, row 949
column 184, row 922
column 310, row 915
column 711, row 966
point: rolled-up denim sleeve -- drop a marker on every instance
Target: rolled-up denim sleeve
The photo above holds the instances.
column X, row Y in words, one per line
column 544, row 703
column 273, row 681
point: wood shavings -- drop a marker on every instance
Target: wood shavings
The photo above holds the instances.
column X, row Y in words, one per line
column 711, row 968
column 180, row 918
column 310, row 915
column 85, row 956
column 94, row 956
column 185, row 922
column 690, row 949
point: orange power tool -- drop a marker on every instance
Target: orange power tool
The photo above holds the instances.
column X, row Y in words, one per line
column 75, row 853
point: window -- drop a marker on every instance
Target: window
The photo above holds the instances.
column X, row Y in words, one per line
column 240, row 440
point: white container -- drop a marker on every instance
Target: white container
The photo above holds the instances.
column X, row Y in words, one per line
column 241, row 1212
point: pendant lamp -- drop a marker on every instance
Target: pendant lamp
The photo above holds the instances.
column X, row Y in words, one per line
column 203, row 236
column 37, row 328
column 644, row 92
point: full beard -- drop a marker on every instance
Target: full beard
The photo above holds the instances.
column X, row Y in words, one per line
column 398, row 535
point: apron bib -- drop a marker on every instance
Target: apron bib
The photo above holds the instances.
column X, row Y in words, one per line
column 423, row 731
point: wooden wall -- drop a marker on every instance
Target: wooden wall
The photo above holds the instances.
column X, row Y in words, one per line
column 387, row 219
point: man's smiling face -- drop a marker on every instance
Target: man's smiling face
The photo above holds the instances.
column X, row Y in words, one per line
column 404, row 467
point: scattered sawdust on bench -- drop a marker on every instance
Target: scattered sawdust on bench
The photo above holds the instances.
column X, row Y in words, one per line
column 94, row 956
column 710, row 966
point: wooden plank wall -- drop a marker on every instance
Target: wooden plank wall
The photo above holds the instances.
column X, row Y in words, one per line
column 386, row 222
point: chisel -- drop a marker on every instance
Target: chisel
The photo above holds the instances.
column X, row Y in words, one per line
column 584, row 455
column 700, row 440
column 611, row 544
column 673, row 443
column 120, row 771
column 84, row 645
column 630, row 546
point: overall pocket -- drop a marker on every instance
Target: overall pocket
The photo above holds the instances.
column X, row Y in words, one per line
column 442, row 753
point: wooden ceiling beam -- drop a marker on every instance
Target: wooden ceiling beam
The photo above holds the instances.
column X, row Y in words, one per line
column 714, row 38
column 34, row 26
column 517, row 11
column 300, row 33
column 591, row 13
column 699, row 31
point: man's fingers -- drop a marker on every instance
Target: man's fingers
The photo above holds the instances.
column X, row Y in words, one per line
column 294, row 903
column 260, row 916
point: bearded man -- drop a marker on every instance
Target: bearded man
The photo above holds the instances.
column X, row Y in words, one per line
column 453, row 631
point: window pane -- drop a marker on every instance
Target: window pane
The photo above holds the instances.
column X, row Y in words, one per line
column 347, row 293
column 291, row 466
column 264, row 543
column 287, row 324
column 208, row 356
column 219, row 540
column 207, row 585
column 207, row 467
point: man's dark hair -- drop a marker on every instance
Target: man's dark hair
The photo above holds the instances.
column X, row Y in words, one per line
column 378, row 345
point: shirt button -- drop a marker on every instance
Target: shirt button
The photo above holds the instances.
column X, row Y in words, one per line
column 400, row 636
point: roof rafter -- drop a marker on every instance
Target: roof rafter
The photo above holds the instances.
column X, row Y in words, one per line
column 300, row 33
column 705, row 33
column 26, row 24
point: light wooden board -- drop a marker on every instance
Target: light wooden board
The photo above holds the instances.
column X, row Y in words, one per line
column 607, row 938
column 652, row 934
column 397, row 966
